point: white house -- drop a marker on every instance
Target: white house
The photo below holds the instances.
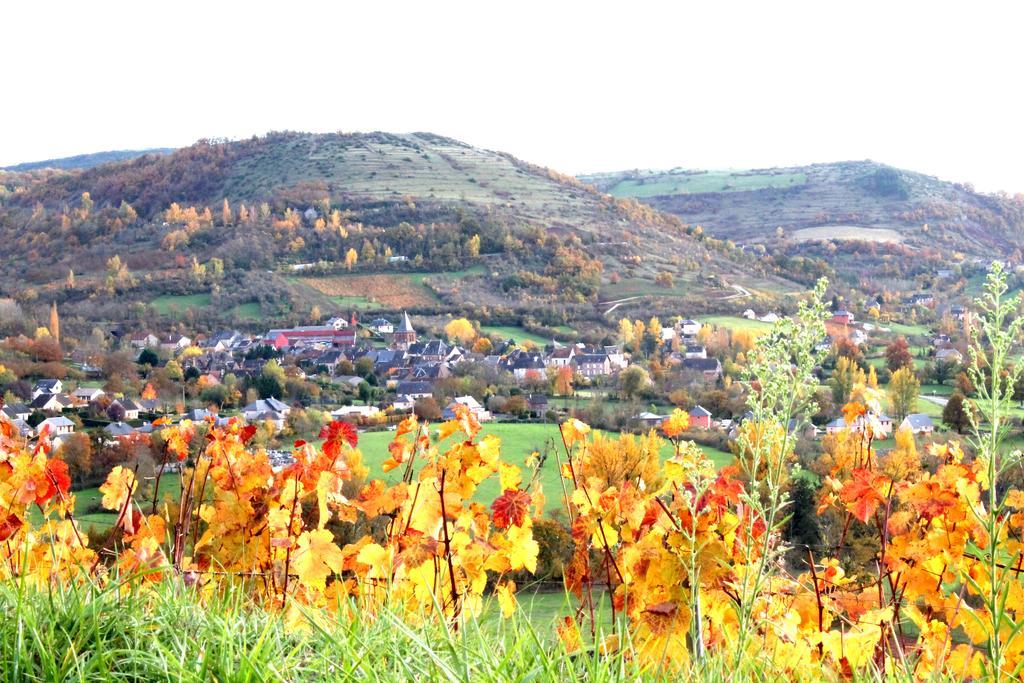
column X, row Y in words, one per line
column 175, row 342
column 87, row 394
column 56, row 426
column 356, row 411
column 143, row 340
column 474, row 406
column 690, row 328
column 47, row 386
column 918, row 423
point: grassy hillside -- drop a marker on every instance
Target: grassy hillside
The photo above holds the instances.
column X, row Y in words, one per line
column 852, row 216
column 403, row 209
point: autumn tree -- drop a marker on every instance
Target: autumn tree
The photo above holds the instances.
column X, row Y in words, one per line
column 897, row 355
column 563, row 381
column 904, row 388
column 54, row 322
column 844, row 378
column 473, row 246
column 460, row 330
column 350, row 258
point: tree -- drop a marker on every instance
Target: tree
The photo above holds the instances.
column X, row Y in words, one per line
column 350, row 258
column 563, row 381
column 897, row 355
column 844, row 378
column 76, row 450
column 632, row 381
column 954, row 413
column 626, row 331
column 149, row 357
column 54, row 322
column 943, row 371
column 473, row 246
column 225, row 213
column 904, row 388
column 664, row 279
column 116, row 411
column 426, row 408
column 460, row 330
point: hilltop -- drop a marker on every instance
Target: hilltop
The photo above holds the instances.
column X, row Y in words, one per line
column 269, row 227
column 832, row 210
column 81, row 161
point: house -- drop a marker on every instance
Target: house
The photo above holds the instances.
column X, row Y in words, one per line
column 560, row 357
column 949, row 355
column 958, row 312
column 131, row 408
column 143, row 340
column 119, row 429
column 356, row 412
column 591, row 365
column 616, row 357
column 883, row 423
column 538, row 404
column 711, row 368
column 700, row 418
column 918, row 423
column 17, row 411
column 690, row 328
column 174, row 342
column 352, row 381
column 337, row 322
column 223, row 341
column 650, row 420
column 47, row 386
column 527, row 366
column 50, row 403
column 696, row 351
column 381, row 326
column 256, row 410
column 474, row 406
column 749, row 314
column 921, row 300
column 769, row 318
column 87, row 394
column 309, row 334
column 56, row 426
column 415, row 389
column 842, row 317
column 858, row 337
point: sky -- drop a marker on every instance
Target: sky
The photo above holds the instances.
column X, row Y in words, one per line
column 580, row 87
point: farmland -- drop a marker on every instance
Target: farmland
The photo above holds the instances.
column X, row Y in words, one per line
column 517, row 333
column 178, row 304
column 846, row 232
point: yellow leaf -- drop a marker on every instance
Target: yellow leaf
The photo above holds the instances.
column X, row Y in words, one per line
column 316, row 558
column 119, row 486
column 523, row 550
column 505, row 592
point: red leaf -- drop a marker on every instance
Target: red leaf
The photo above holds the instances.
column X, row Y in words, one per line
column 10, row 526
column 247, row 432
column 511, row 508
column 299, row 443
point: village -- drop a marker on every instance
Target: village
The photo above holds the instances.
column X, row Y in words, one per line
column 373, row 373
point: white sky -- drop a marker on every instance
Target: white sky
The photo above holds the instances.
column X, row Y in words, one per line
column 930, row 86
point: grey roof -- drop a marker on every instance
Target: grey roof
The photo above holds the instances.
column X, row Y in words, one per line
column 266, row 405
column 406, row 324
column 700, row 411
column 119, row 429
column 920, row 421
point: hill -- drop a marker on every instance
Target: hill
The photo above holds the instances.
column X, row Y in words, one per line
column 269, row 227
column 80, row 161
column 834, row 210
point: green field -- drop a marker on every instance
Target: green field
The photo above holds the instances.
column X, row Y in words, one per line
column 517, row 442
column 736, row 323
column 249, row 311
column 519, row 334
column 907, row 330
column 171, row 304
column 661, row 184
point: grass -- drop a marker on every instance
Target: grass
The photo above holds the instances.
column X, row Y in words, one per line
column 517, row 333
column 847, row 232
column 249, row 311
column 661, row 184
column 517, row 442
column 168, row 631
column 171, row 304
column 736, row 323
